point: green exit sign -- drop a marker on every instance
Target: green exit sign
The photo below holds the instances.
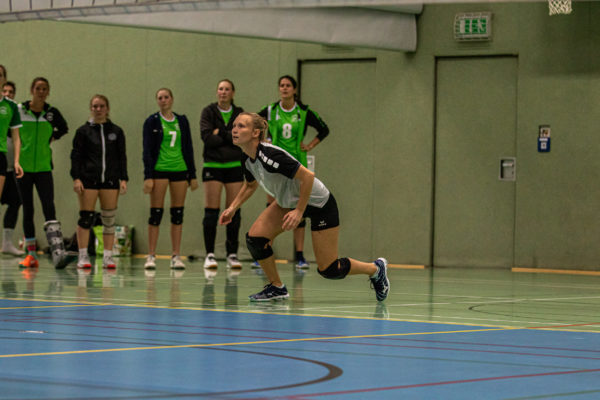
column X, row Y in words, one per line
column 473, row 26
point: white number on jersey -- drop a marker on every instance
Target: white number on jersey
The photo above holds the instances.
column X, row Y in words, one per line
column 286, row 131
column 173, row 137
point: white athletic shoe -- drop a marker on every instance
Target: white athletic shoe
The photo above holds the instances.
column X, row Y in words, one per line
column 233, row 262
column 150, row 261
column 109, row 262
column 84, row 262
column 9, row 248
column 176, row 263
column 210, row 261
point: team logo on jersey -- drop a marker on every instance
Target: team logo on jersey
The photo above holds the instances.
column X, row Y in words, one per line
column 267, row 160
column 49, row 116
column 112, row 136
column 295, row 118
column 3, row 110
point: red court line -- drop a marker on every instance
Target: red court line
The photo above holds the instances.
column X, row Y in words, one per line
column 419, row 385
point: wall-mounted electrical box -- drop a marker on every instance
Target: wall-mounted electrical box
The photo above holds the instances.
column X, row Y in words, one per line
column 508, row 169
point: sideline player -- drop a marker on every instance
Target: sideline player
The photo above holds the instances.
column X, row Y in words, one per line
column 288, row 121
column 222, row 169
column 168, row 163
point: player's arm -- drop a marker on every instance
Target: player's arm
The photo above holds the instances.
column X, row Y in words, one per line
column 306, row 179
column 247, row 190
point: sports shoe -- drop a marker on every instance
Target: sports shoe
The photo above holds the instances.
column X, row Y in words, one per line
column 381, row 283
column 176, row 263
column 210, row 261
column 233, row 262
column 270, row 292
column 29, row 262
column 255, row 264
column 9, row 248
column 109, row 262
column 150, row 261
column 84, row 262
column 302, row 264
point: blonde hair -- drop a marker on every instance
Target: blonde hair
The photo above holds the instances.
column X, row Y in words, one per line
column 259, row 123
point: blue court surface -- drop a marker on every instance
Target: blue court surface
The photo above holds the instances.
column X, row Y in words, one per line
column 127, row 335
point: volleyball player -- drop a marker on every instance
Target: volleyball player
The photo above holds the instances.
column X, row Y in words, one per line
column 298, row 194
column 168, row 157
column 99, row 171
column 10, row 192
column 222, row 169
column 288, row 121
column 42, row 124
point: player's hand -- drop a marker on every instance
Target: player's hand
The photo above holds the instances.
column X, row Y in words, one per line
column 18, row 171
column 148, row 185
column 78, row 186
column 123, row 187
column 226, row 216
column 193, row 184
column 305, row 148
column 291, row 220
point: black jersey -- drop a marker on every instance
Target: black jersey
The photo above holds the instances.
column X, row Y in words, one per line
column 274, row 169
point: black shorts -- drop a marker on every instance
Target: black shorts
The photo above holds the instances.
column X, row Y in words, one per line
column 224, row 175
column 325, row 217
column 10, row 193
column 176, row 176
column 3, row 164
column 95, row 184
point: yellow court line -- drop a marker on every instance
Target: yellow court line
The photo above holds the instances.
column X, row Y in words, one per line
column 66, row 306
column 242, row 343
column 556, row 271
column 265, row 312
column 406, row 266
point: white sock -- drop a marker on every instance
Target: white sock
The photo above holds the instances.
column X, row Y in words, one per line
column 107, row 253
column 7, row 235
column 83, row 252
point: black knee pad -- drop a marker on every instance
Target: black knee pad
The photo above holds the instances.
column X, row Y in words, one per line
column 86, row 219
column 177, row 215
column 211, row 217
column 156, row 214
column 259, row 247
column 337, row 269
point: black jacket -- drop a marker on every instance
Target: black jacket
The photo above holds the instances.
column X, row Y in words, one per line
column 99, row 153
column 153, row 136
column 220, row 147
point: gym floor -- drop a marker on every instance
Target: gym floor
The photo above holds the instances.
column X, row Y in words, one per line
column 441, row 334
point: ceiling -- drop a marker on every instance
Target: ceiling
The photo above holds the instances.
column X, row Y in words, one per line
column 383, row 24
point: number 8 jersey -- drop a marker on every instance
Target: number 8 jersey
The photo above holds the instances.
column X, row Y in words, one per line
column 287, row 128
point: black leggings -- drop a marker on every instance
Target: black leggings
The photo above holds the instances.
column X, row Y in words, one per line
column 12, row 198
column 44, row 185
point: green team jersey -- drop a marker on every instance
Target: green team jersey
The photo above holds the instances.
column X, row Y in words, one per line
column 37, row 132
column 287, row 128
column 226, row 115
column 170, row 157
column 9, row 119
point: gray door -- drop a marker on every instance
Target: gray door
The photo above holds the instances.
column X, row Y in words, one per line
column 342, row 93
column 474, row 211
